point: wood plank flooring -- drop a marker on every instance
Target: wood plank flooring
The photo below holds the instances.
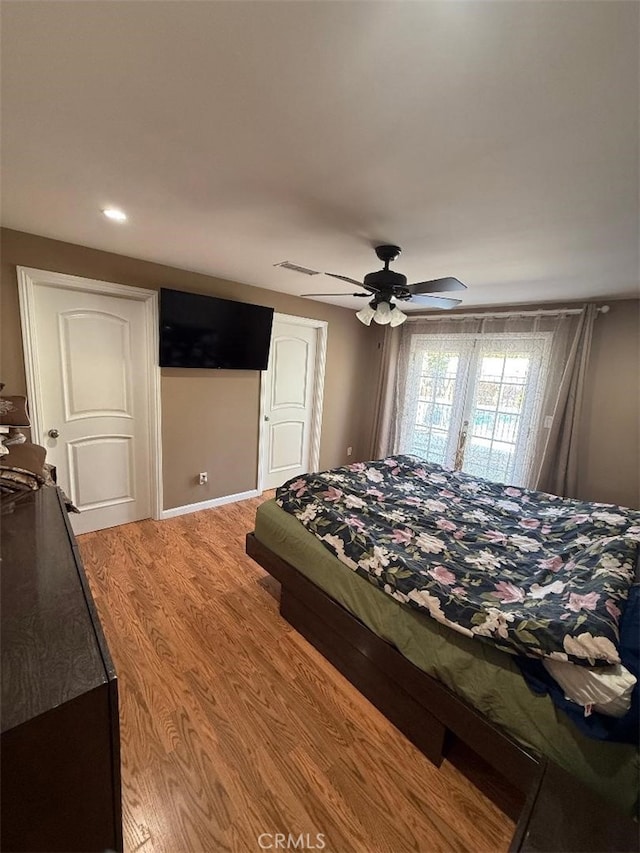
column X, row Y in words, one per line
column 232, row 725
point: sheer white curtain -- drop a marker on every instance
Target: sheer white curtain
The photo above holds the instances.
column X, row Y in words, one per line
column 480, row 394
column 443, row 345
column 558, row 459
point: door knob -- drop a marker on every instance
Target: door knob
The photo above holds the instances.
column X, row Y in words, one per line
column 53, row 433
column 267, row 418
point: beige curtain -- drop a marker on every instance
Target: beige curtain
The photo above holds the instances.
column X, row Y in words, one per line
column 558, row 471
column 382, row 439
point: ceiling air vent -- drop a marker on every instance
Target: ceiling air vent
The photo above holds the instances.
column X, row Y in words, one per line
column 287, row 265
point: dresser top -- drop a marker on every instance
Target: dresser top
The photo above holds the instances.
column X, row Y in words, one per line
column 51, row 641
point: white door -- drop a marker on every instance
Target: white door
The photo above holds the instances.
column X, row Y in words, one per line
column 91, row 358
column 289, row 398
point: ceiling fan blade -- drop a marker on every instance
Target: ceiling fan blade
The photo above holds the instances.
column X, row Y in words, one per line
column 434, row 301
column 335, row 294
column 438, row 285
column 344, row 278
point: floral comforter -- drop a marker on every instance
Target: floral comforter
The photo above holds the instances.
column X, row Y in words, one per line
column 536, row 574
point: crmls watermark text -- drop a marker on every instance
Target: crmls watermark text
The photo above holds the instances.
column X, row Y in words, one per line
column 280, row 841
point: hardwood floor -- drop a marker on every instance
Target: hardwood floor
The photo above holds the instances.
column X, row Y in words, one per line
column 232, row 725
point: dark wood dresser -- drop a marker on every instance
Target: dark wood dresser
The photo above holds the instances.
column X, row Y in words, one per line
column 60, row 743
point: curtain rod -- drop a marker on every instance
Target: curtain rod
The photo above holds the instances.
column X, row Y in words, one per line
column 603, row 309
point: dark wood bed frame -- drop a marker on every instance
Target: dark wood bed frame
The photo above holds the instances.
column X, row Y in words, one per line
column 432, row 717
column 422, row 708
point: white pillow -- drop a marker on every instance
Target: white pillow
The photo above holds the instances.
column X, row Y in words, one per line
column 606, row 689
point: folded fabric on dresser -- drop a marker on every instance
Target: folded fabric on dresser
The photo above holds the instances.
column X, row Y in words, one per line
column 22, row 468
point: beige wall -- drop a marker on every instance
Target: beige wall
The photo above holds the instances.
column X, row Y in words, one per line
column 610, row 447
column 209, row 417
column 220, row 432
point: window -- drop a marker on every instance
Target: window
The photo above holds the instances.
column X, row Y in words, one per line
column 471, row 401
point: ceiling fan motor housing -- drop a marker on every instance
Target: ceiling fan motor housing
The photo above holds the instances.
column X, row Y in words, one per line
column 385, row 280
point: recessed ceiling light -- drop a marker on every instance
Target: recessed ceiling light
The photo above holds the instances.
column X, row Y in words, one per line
column 115, row 214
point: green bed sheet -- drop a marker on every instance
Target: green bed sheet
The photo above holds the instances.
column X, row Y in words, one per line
column 480, row 674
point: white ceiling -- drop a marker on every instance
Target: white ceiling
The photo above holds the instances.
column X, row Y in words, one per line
column 494, row 141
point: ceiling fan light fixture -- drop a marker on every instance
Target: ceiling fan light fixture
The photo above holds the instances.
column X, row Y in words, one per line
column 397, row 317
column 383, row 314
column 366, row 315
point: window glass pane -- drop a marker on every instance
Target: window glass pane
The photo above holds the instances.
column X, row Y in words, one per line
column 441, row 416
column 502, row 459
column 512, row 398
column 451, row 369
column 423, row 414
column 488, row 394
column 437, row 446
column 506, row 427
column 426, row 388
column 485, row 458
column 491, row 367
column 447, row 391
column 502, row 447
column 482, row 423
column 420, row 442
column 476, row 456
column 516, row 368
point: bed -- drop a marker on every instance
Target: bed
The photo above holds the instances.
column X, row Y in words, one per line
column 433, row 680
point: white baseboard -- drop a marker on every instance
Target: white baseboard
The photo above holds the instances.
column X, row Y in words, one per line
column 225, row 499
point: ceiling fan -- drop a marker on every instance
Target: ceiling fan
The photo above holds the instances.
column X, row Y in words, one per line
column 387, row 287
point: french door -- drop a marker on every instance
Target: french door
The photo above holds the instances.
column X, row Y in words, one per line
column 472, row 402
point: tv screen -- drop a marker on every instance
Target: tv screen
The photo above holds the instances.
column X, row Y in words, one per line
column 204, row 331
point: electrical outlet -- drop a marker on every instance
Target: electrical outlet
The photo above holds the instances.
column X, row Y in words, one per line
column 349, row 451
column 203, row 478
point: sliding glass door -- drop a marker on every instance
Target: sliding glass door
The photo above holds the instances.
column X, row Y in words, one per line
column 471, row 401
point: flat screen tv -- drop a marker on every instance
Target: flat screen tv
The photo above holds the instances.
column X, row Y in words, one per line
column 204, row 331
